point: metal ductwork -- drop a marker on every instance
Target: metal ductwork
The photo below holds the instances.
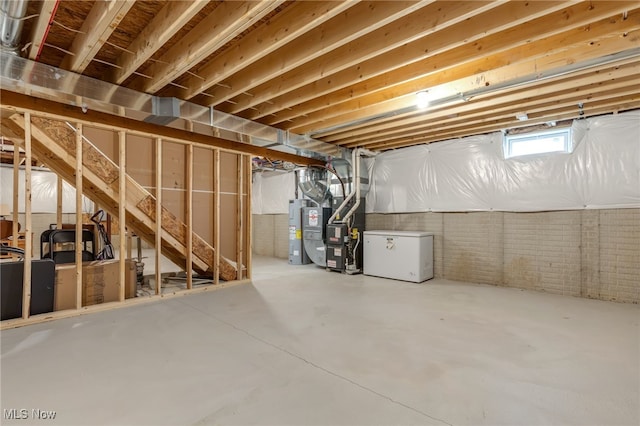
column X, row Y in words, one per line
column 43, row 81
column 12, row 13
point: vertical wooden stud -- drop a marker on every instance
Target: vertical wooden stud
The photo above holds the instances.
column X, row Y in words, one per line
column 59, row 189
column 239, row 215
column 216, row 212
column 16, row 189
column 189, row 215
column 158, row 215
column 122, row 181
column 78, row 216
column 248, row 215
column 26, row 282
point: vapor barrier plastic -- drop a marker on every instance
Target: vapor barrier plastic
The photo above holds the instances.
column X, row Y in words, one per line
column 44, row 198
column 271, row 192
column 471, row 174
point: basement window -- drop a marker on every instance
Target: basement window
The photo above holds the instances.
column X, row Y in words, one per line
column 542, row 142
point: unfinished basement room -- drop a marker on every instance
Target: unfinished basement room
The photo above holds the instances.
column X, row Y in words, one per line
column 285, row 212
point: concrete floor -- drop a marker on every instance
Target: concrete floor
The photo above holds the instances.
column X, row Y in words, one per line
column 305, row 346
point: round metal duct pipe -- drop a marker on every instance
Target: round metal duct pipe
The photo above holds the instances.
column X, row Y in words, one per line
column 12, row 13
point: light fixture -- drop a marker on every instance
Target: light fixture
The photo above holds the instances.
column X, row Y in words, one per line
column 522, row 116
column 422, row 99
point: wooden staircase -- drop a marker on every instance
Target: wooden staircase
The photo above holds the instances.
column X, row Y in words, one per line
column 54, row 143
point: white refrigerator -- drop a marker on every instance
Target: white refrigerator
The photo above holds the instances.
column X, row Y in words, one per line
column 400, row 255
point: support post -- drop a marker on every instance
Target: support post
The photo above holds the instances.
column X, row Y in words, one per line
column 239, row 214
column 249, row 221
column 59, row 189
column 216, row 212
column 16, row 189
column 158, row 215
column 78, row 215
column 122, row 200
column 189, row 216
column 26, row 281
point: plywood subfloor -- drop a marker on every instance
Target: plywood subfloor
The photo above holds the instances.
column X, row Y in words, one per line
column 304, row 346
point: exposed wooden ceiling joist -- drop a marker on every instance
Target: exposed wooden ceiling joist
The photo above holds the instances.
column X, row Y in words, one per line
column 490, row 53
column 171, row 18
column 433, row 29
column 346, row 72
column 284, row 28
column 361, row 19
column 40, row 28
column 226, row 22
column 95, row 31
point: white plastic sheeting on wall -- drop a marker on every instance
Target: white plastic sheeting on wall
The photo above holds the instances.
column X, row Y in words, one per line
column 44, row 198
column 271, row 192
column 471, row 174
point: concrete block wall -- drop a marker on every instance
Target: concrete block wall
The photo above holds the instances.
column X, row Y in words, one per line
column 270, row 235
column 586, row 253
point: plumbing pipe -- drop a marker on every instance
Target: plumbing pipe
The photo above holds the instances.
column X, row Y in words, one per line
column 46, row 31
column 354, row 156
column 357, row 203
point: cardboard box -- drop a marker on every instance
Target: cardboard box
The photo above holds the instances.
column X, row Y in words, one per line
column 100, row 283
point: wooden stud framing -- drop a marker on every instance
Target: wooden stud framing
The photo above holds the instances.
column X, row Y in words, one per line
column 59, row 189
column 249, row 220
column 122, row 203
column 239, row 216
column 189, row 214
column 158, row 236
column 26, row 281
column 216, row 213
column 79, row 170
column 16, row 188
column 37, row 319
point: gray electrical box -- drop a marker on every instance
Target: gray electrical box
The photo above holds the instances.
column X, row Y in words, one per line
column 297, row 254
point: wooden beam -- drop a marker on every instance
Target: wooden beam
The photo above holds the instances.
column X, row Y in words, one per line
column 286, row 26
column 445, row 26
column 58, row 111
column 601, row 79
column 555, row 114
column 376, row 96
column 227, row 21
column 122, row 204
column 387, row 48
column 28, row 228
column 41, row 28
column 78, row 176
column 158, row 233
column 355, row 22
column 492, row 121
column 171, row 18
column 102, row 20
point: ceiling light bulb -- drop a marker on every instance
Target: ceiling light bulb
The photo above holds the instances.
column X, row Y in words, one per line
column 422, row 99
column 522, row 116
